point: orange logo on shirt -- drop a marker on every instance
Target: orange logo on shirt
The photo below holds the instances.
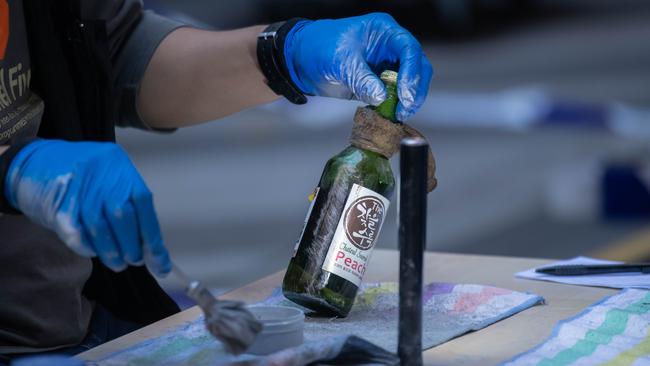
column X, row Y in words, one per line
column 4, row 27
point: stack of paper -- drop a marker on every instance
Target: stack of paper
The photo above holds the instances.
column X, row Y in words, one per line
column 616, row 280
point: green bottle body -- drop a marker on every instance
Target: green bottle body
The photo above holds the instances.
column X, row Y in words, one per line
column 323, row 243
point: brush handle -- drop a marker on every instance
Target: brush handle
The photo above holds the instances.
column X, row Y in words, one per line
column 181, row 275
column 228, row 321
column 195, row 290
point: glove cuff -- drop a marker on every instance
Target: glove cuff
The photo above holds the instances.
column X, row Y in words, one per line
column 278, row 69
column 285, row 47
column 5, row 162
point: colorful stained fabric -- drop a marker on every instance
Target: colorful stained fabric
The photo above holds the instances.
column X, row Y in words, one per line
column 614, row 331
column 449, row 310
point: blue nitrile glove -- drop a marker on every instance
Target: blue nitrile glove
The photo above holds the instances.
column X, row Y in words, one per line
column 342, row 58
column 92, row 196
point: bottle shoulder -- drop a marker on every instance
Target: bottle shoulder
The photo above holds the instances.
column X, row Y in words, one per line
column 363, row 167
column 354, row 155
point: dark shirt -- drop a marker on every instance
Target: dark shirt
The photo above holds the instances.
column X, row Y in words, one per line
column 43, row 305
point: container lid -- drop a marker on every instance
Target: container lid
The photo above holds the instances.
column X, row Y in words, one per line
column 278, row 319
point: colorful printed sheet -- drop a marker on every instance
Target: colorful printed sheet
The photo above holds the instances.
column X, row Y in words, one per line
column 613, row 331
column 189, row 344
column 449, row 310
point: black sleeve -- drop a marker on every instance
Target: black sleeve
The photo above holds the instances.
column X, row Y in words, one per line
column 5, row 161
column 121, row 16
column 133, row 36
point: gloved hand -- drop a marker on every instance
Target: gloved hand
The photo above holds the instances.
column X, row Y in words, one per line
column 92, row 196
column 342, row 58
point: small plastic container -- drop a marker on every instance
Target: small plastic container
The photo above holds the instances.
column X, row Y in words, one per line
column 282, row 328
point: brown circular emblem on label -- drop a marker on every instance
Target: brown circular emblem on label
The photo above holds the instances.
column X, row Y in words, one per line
column 363, row 220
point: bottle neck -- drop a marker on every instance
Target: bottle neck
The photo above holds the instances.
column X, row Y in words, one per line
column 387, row 108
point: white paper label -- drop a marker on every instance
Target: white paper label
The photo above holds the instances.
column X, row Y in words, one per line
column 356, row 234
column 312, row 198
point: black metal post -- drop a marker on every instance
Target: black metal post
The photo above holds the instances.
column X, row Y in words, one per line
column 412, row 239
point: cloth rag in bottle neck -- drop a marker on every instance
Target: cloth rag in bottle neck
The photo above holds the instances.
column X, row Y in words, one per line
column 375, row 133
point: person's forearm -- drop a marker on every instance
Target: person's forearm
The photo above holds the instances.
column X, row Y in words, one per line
column 196, row 76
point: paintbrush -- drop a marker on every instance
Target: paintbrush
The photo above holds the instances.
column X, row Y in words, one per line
column 228, row 321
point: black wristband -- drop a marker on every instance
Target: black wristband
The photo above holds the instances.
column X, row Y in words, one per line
column 270, row 55
column 5, row 161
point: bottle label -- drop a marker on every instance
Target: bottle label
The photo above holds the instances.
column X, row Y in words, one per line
column 356, row 234
column 312, row 199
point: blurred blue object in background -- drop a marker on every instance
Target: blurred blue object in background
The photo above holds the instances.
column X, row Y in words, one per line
column 609, row 190
column 626, row 193
column 523, row 108
column 576, row 114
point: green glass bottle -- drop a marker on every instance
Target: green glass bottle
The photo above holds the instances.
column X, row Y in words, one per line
column 346, row 214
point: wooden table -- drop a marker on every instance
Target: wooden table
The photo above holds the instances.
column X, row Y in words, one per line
column 487, row 346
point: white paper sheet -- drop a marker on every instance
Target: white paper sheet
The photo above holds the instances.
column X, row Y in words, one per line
column 617, row 280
